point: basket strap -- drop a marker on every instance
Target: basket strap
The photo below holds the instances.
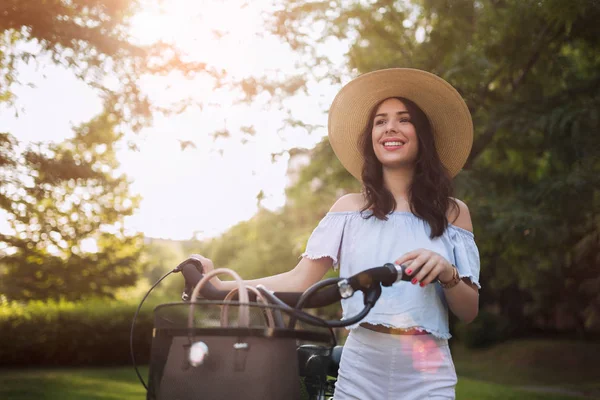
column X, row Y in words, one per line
column 244, row 315
column 259, row 297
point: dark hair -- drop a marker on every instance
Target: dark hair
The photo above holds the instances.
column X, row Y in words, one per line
column 431, row 189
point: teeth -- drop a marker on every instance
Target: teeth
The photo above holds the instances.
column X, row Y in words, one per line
column 393, row 144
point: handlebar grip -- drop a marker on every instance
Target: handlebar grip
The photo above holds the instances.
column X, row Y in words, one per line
column 191, row 270
column 404, row 276
column 387, row 275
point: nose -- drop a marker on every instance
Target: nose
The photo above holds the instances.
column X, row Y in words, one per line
column 392, row 126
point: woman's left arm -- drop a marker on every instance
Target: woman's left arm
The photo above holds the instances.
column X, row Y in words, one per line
column 462, row 298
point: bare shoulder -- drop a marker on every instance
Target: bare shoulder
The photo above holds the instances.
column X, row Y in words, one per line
column 349, row 202
column 460, row 216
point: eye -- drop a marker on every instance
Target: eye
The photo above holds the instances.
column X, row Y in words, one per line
column 404, row 119
column 380, row 122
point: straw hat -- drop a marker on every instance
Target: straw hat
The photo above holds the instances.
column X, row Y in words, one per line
column 446, row 110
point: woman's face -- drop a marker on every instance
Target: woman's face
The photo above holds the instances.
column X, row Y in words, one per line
column 394, row 137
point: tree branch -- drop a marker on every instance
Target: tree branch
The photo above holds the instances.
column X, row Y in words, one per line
column 485, row 89
column 481, row 143
column 535, row 56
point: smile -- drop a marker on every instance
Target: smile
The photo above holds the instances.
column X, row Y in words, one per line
column 393, row 144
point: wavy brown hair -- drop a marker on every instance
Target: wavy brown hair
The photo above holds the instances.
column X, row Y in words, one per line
column 430, row 194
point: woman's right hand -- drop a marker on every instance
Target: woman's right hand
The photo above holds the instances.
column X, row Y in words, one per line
column 207, row 266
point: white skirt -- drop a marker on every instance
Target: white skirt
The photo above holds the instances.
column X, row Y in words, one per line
column 381, row 366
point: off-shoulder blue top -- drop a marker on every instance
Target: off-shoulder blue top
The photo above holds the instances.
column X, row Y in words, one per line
column 355, row 243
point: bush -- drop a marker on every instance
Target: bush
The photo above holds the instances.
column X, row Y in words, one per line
column 92, row 332
column 487, row 329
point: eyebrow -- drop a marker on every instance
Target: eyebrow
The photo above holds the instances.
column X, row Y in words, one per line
column 398, row 113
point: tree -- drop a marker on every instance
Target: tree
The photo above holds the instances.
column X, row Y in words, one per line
column 65, row 202
column 91, row 38
column 66, row 206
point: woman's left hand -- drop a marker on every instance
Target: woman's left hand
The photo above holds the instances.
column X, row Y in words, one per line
column 427, row 266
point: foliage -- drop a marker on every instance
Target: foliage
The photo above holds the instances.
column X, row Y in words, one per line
column 65, row 202
column 160, row 256
column 92, row 39
column 319, row 185
column 264, row 245
column 65, row 206
column 487, row 329
column 53, row 333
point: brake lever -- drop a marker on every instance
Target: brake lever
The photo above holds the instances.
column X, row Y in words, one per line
column 189, row 285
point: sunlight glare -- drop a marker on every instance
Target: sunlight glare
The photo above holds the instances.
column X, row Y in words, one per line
column 219, row 32
column 89, row 245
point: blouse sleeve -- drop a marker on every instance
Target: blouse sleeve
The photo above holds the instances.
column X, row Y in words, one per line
column 466, row 254
column 326, row 238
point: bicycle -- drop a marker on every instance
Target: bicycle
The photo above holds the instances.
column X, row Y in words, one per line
column 201, row 353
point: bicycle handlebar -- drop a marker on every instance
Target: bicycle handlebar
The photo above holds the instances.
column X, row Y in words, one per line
column 386, row 275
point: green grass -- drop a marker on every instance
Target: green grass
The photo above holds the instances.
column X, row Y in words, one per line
column 497, row 373
column 570, row 365
column 72, row 384
column 479, row 390
column 122, row 384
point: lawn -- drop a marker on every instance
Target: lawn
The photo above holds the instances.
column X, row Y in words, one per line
column 71, row 384
column 559, row 364
column 122, row 384
column 526, row 369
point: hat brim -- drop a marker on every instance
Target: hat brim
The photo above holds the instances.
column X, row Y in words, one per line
column 446, row 110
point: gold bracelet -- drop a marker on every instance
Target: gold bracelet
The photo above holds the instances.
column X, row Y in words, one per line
column 452, row 282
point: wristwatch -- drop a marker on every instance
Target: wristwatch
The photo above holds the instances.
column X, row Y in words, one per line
column 452, row 282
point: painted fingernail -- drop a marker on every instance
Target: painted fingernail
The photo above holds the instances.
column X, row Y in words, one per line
column 408, row 271
column 422, row 284
column 414, row 281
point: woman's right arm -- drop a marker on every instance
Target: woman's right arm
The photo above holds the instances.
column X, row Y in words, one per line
column 306, row 273
column 303, row 276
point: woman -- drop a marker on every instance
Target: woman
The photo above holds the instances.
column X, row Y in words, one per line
column 403, row 133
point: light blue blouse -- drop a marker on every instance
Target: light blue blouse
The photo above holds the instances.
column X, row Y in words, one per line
column 355, row 244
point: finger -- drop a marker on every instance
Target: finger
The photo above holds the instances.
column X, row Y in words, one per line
column 422, row 273
column 408, row 257
column 409, row 260
column 416, row 267
column 207, row 265
column 433, row 274
column 197, row 257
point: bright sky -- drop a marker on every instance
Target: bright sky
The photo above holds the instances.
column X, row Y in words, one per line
column 196, row 190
